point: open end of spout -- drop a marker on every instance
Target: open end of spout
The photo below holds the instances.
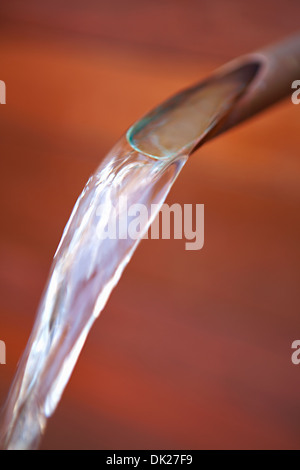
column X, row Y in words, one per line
column 181, row 123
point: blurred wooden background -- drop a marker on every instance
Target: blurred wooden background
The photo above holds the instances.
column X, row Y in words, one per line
column 194, row 348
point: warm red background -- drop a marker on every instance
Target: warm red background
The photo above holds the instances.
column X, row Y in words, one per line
column 194, row 348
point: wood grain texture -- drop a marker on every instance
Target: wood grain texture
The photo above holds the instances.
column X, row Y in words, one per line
column 194, row 348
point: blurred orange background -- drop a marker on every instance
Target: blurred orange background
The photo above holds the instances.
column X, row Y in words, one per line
column 194, row 348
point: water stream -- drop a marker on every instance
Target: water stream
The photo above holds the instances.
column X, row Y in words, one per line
column 86, row 267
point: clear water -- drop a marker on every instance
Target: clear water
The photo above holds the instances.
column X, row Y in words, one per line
column 85, row 269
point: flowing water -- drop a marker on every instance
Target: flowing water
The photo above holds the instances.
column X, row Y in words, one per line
column 87, row 265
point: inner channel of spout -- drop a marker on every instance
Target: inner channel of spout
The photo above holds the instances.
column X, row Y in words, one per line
column 179, row 124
